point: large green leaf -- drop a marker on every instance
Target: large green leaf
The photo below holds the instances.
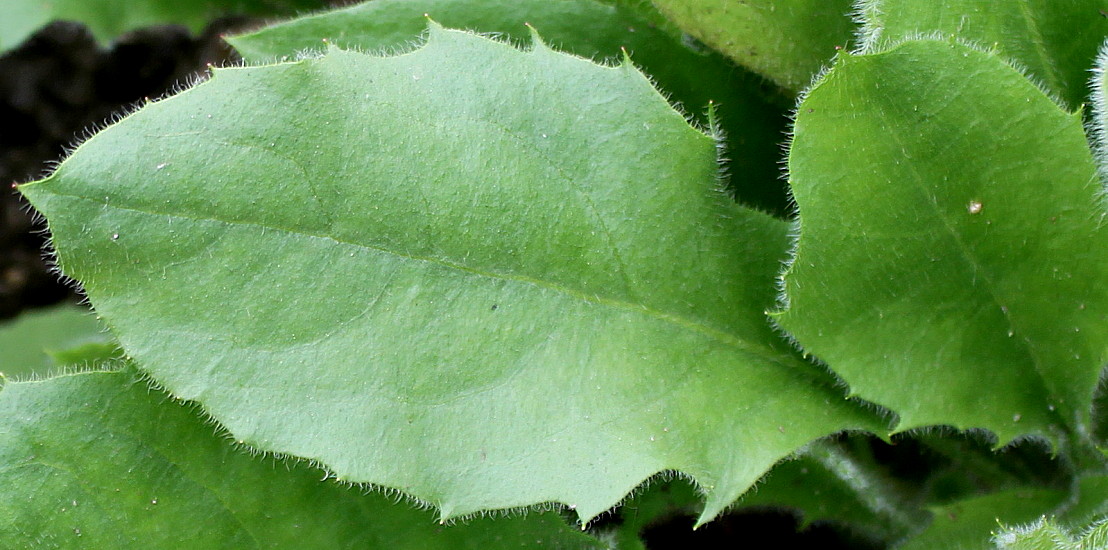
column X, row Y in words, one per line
column 1055, row 41
column 485, row 277
column 38, row 341
column 110, row 18
column 753, row 126
column 970, row 524
column 951, row 258
column 99, row 460
column 788, row 42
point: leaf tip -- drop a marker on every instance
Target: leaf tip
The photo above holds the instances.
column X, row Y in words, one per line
column 433, row 27
column 537, row 42
column 626, row 55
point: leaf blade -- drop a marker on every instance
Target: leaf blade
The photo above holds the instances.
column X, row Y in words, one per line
column 949, row 219
column 37, row 341
column 501, row 290
column 171, row 481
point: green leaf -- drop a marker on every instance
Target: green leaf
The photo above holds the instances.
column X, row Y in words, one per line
column 485, row 277
column 1054, row 41
column 39, row 341
column 753, row 126
column 935, row 271
column 110, row 18
column 585, row 27
column 788, row 42
column 1045, row 534
column 99, row 460
column 969, row 524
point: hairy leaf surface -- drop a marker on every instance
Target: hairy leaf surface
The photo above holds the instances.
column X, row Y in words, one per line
column 99, row 460
column 110, row 18
column 485, row 277
column 788, row 42
column 1055, row 41
column 951, row 253
column 1099, row 106
column 754, row 126
column 1046, row 534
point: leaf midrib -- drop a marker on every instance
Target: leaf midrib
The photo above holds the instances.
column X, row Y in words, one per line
column 715, row 334
column 978, row 269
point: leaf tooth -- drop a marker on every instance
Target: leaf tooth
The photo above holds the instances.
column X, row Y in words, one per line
column 716, row 502
column 435, row 31
column 537, row 43
column 446, row 513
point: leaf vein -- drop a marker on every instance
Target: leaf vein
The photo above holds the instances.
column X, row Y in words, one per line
column 717, row 335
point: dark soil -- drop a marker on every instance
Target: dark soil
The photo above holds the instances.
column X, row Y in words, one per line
column 754, row 530
column 58, row 86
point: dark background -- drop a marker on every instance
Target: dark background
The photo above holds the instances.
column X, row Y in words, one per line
column 59, row 86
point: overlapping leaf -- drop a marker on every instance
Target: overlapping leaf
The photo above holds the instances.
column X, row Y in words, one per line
column 1054, row 41
column 39, row 341
column 99, row 460
column 951, row 257
column 788, row 42
column 485, row 277
column 754, row 126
